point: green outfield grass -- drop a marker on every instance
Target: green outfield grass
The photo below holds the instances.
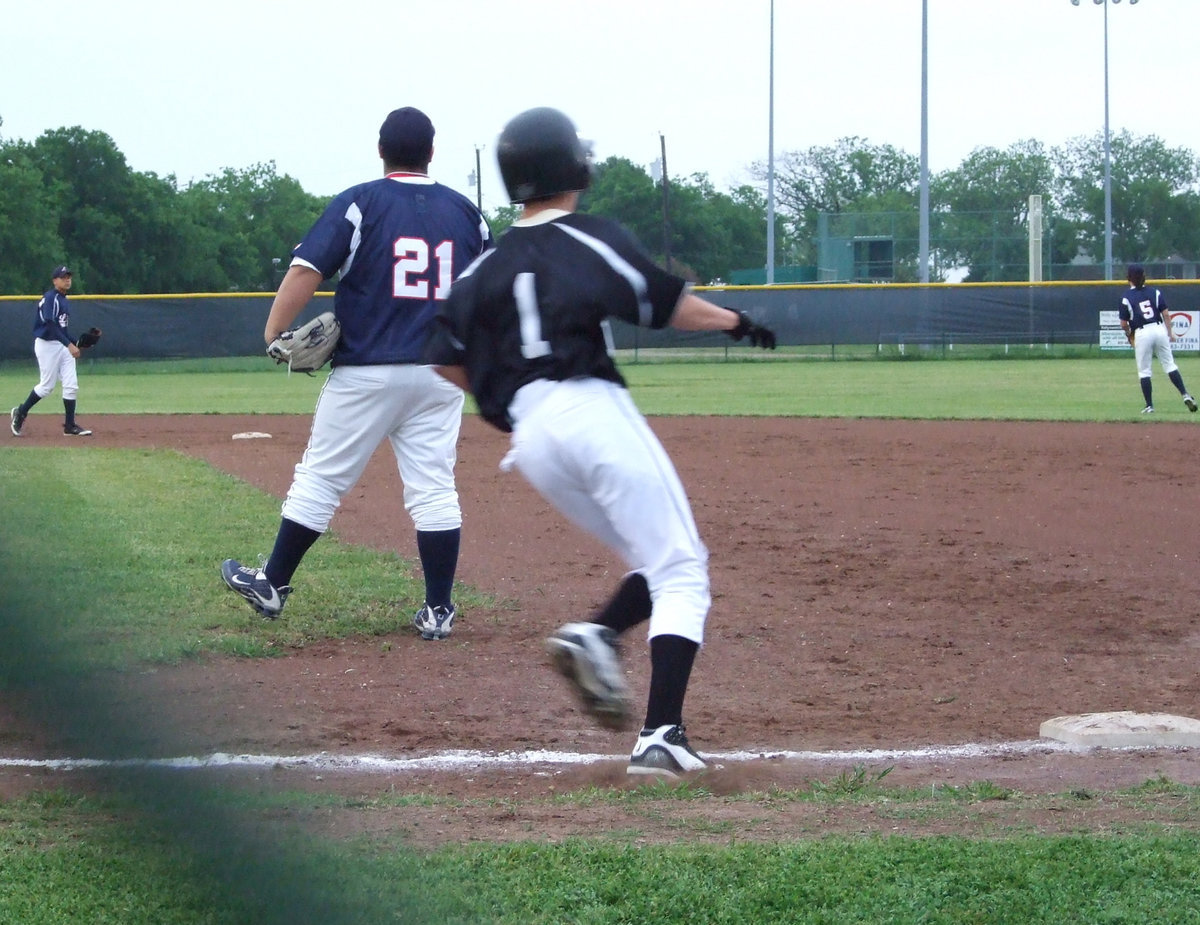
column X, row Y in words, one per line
column 110, row 558
column 1103, row 388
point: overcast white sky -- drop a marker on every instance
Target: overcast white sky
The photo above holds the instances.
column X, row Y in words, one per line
column 192, row 88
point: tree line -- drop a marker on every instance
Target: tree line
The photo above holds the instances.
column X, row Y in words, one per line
column 70, row 196
column 979, row 210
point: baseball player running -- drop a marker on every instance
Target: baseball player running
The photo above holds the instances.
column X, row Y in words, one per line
column 398, row 242
column 1147, row 324
column 56, row 353
column 524, row 330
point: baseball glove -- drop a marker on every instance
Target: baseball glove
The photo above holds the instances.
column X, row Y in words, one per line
column 759, row 336
column 308, row 347
column 89, row 338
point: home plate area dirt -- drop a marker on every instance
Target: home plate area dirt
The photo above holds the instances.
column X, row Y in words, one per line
column 896, row 599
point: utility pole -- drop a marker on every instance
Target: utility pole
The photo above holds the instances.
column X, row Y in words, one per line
column 478, row 180
column 666, row 210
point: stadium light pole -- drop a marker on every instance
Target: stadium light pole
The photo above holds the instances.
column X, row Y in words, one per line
column 923, row 230
column 771, row 157
column 1108, row 255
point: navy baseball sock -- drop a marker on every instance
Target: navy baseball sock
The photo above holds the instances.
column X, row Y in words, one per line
column 32, row 399
column 69, row 408
column 1177, row 381
column 629, row 605
column 1147, row 390
column 438, row 550
column 671, row 659
column 291, row 543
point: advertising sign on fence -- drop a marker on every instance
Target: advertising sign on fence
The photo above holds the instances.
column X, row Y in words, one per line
column 1185, row 324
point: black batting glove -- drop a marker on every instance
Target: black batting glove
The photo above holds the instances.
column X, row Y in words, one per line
column 759, row 336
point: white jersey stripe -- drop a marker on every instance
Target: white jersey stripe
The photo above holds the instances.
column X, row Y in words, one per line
column 354, row 217
column 635, row 279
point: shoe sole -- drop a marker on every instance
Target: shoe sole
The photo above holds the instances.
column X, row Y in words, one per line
column 641, row 770
column 1191, row 404
column 14, row 427
column 254, row 604
column 572, row 662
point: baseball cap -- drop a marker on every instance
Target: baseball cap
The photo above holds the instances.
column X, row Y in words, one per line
column 406, row 137
column 61, row 270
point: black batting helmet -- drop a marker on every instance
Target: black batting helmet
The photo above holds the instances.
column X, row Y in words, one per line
column 541, row 154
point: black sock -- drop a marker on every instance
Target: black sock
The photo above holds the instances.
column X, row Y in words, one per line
column 671, row 659
column 629, row 605
column 69, row 408
column 1177, row 381
column 438, row 550
column 1146, row 391
column 30, row 401
column 291, row 543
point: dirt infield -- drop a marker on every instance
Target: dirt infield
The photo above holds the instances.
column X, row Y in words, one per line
column 876, row 585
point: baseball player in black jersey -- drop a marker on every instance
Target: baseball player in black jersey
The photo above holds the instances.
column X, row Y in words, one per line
column 1147, row 324
column 396, row 243
column 524, row 330
column 56, row 353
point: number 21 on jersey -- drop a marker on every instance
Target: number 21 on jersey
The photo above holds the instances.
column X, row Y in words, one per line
column 412, row 265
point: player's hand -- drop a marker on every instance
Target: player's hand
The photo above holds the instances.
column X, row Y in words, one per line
column 74, row 351
column 758, row 335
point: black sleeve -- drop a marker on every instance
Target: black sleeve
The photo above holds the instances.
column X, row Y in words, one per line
column 651, row 292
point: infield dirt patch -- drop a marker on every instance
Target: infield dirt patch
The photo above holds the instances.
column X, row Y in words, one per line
column 876, row 585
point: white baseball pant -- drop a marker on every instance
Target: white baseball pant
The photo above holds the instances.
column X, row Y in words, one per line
column 415, row 409
column 587, row 450
column 55, row 364
column 1149, row 341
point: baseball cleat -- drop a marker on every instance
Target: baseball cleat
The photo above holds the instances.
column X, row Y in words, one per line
column 16, row 421
column 434, row 622
column 74, row 430
column 253, row 585
column 1149, row 409
column 1190, row 402
column 664, row 752
column 586, row 655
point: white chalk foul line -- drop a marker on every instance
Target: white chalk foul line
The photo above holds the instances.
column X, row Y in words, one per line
column 463, row 760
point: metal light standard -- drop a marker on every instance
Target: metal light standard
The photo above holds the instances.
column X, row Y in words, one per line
column 1108, row 255
column 771, row 157
column 923, row 228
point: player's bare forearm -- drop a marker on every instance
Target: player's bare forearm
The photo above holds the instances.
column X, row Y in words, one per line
column 693, row 313
column 297, row 289
column 455, row 374
column 696, row 314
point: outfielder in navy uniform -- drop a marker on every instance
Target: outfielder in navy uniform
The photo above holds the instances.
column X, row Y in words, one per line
column 525, row 331
column 1147, row 324
column 397, row 242
column 56, row 353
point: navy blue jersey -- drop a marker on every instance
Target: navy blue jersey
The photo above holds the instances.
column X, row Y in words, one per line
column 52, row 318
column 1141, row 307
column 397, row 243
column 535, row 307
